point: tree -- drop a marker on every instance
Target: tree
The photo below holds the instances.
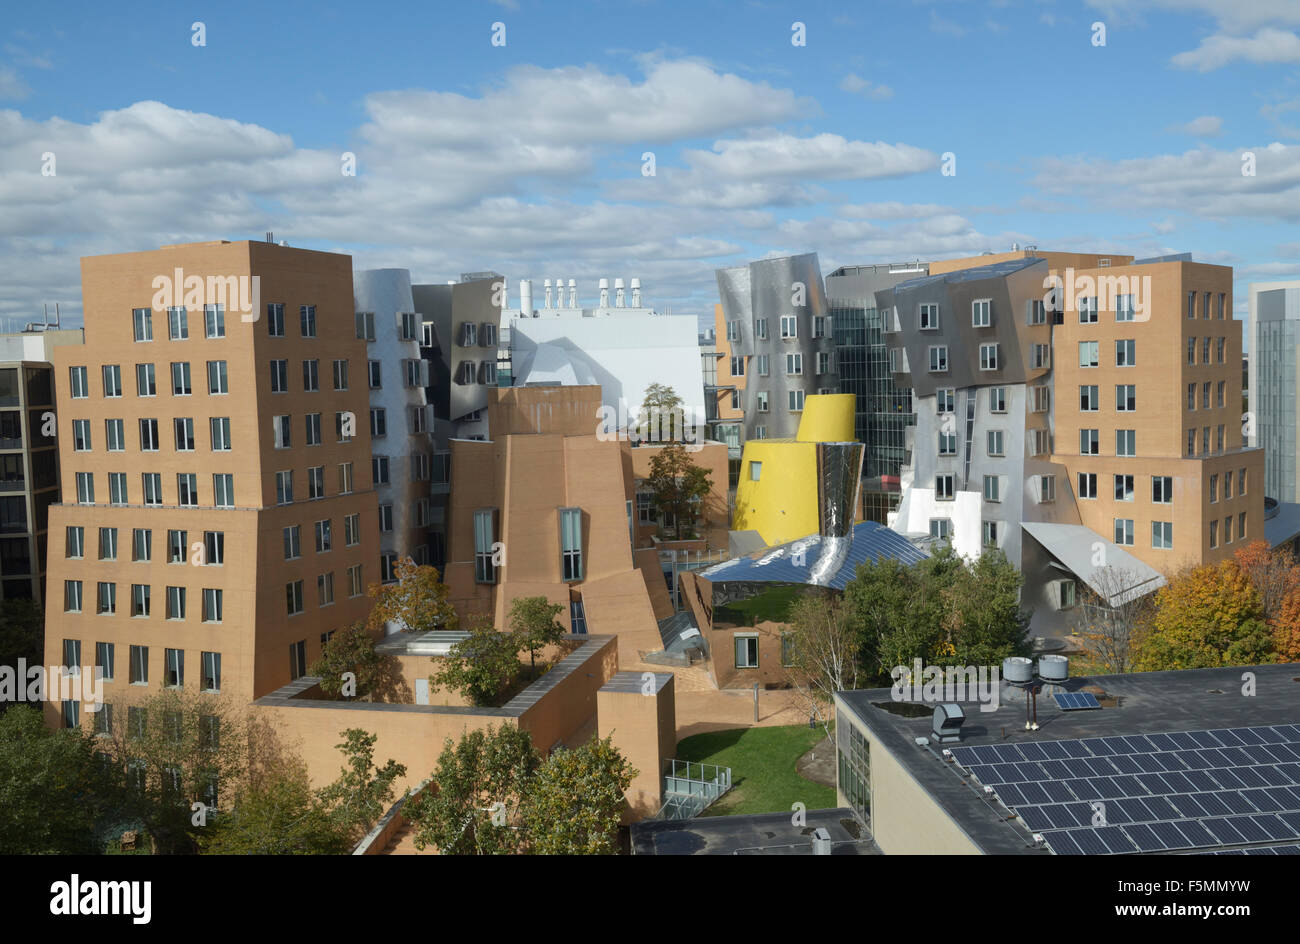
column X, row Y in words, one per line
column 281, row 817
column 1272, row 572
column 1111, row 620
column 352, row 649
column 1207, row 617
column 479, row 667
column 1286, row 628
column 576, row 800
column 174, row 749
column 472, row 804
column 661, row 417
column 986, row 623
column 52, row 786
column 678, row 486
column 358, row 798
column 825, row 648
column 533, row 621
column 22, row 634
column 418, row 601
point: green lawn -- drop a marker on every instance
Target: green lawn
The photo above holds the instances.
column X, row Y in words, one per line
column 762, row 768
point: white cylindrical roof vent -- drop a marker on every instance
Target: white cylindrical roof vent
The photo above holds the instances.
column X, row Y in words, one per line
column 604, row 293
column 1053, row 668
column 546, row 284
column 636, row 293
column 526, row 297
column 1017, row 669
column 573, row 293
column 618, row 293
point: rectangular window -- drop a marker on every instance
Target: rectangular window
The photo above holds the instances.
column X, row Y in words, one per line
column 379, row 469
column 85, row 488
column 1241, row 526
column 1191, row 305
column 1088, row 353
column 1040, row 356
column 1162, row 535
column 175, row 668
column 945, row 400
column 385, row 518
column 307, row 320
column 997, row 399
column 139, row 667
column 176, row 603
column 275, row 319
column 211, row 672
column 112, row 380
column 117, row 488
column 281, row 431
column 140, row 594
column 1126, row 353
column 1037, row 312
column 1124, row 488
column 995, row 444
column 981, row 313
column 115, row 435
column 763, row 365
column 325, row 589
column 292, row 542
column 312, row 425
column 746, row 647
column 1089, row 401
column 219, row 427
column 218, row 381
column 733, row 330
column 214, row 548
column 81, row 435
column 105, row 659
column 181, row 386
column 345, row 478
column 571, row 543
column 1125, row 310
column 762, row 401
column 947, row 443
column 355, row 588
column 184, row 430
column 991, row 489
column 1214, row 489
column 214, row 321
column 378, row 423
column 143, row 318
column 485, row 570
column 991, row 533
column 293, row 598
column 1227, row 530
column 223, row 490
column 1126, row 398
column 938, row 359
column 943, row 487
column 1126, row 442
column 352, row 529
column 187, row 489
column 793, row 364
column 1087, row 310
column 324, row 536
column 796, row 398
column 141, row 544
column 72, row 596
column 75, row 547
column 1124, row 532
column 789, row 326
column 177, row 546
column 1046, row 488
column 108, row 544
column 311, row 376
column 928, row 317
column 1087, row 484
column 1214, row 533
column 77, row 386
column 366, row 325
column 178, row 324
column 284, row 487
column 1089, row 442
column 941, row 528
column 989, row 357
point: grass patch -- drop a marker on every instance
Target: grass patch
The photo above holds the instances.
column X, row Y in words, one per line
column 770, row 606
column 762, row 768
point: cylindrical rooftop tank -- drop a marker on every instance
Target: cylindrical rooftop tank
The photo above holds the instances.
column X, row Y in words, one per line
column 1017, row 669
column 1053, row 668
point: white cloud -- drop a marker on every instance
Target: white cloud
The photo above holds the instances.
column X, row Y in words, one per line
column 12, row 86
column 1268, row 46
column 944, row 26
column 1207, row 126
column 860, row 86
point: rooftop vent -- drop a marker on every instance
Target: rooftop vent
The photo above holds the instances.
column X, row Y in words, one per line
column 821, row 841
column 946, row 726
column 1053, row 668
column 1017, row 669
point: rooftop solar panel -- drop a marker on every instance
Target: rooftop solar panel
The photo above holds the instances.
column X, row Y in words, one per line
column 1063, row 844
column 1144, row 838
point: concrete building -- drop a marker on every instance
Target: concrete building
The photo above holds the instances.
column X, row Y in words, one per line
column 401, row 424
column 1273, row 320
column 1092, row 443
column 29, row 468
column 1166, row 764
column 776, row 335
column 218, row 517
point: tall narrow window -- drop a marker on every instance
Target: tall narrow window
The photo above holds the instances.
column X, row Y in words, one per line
column 485, row 570
column 571, row 543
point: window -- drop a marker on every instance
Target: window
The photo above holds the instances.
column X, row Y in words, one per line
column 1191, row 396
column 292, row 543
column 755, row 471
column 71, row 714
column 1124, row 488
column 1191, row 305
column 1219, row 349
column 211, row 672
column 151, row 487
column 945, row 399
column 141, row 544
column 1191, row 442
column 149, row 435
column 375, row 369
column 275, row 319
column 293, row 598
column 929, row 317
column 1191, row 351
column 187, row 489
column 105, row 659
column 181, row 379
column 762, row 401
column 379, row 469
column 1042, row 398
column 821, row 326
column 1039, row 442
column 223, row 490
column 485, row 570
column 796, row 398
column 487, row 333
column 991, row 533
column 1162, row 489
column 981, row 313
column 316, row 482
column 184, row 429
column 789, row 326
column 378, row 423
column 941, row 528
column 280, row 376
column 988, row 357
column 325, row 589
column 385, row 518
column 115, row 435
column 1241, row 483
column 1089, row 402
column 177, row 546
column 947, row 443
column 1126, row 398
column 1214, row 489
column 1124, row 532
column 281, row 432
column 1205, row 350
column 468, row 334
column 284, row 487
column 340, row 375
column 995, row 445
column 1040, row 356
column 354, row 581
column 1218, row 438
column 112, row 380
column 108, row 544
column 366, row 325
column 1087, row 310
column 81, row 435
column 1037, row 312
column 143, row 318
column 140, row 593
column 1125, row 310
column 214, row 548
column 1241, row 526
column 1227, row 486
column 175, row 668
column 419, row 417
column 307, row 320
column 178, row 324
column 997, row 399
column 219, row 427
column 1220, row 393
column 345, row 478
column 571, row 543
column 312, row 424
column 77, row 383
column 824, row 363
column 1227, row 530
column 991, row 489
column 139, row 666
column 1088, row 353
column 324, row 536
column 1046, row 489
column 1205, row 395
column 176, row 603
column 746, row 651
column 760, row 329
column 733, row 330
column 793, row 364
column 388, row 568
column 85, row 488
column 75, row 547
column 1126, row 442
column 72, row 596
column 1087, row 484
column 943, row 487
column 117, row 488
column 214, row 321
column 1126, row 353
column 1214, row 533
column 311, row 376
column 1089, row 442
column 938, row 359
column 763, row 365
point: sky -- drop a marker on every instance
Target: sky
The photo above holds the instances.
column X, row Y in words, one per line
column 518, row 136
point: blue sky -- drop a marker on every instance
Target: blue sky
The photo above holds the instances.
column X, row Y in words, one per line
column 527, row 158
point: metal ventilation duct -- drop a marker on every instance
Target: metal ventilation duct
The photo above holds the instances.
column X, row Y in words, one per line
column 839, row 481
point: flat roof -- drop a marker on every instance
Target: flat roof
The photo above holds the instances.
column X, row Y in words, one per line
column 1146, row 703
column 761, row 834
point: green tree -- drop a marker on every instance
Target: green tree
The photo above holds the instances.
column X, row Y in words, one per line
column 1206, row 617
column 358, row 798
column 479, row 667
column 661, row 417
column 986, row 623
column 574, row 803
column 533, row 621
column 418, row 601
column 282, row 816
column 472, row 805
column 22, row 635
column 678, row 486
column 52, row 787
column 352, row 649
column 825, row 650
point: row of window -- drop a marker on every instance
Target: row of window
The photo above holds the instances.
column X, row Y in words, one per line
column 480, row 372
column 178, row 322
column 146, row 379
column 1220, row 348
column 1125, row 353
column 821, row 328
column 324, row 536
column 825, row 363
column 138, row 665
column 294, row 590
column 187, row 492
column 1220, row 440
column 476, row 335
column 794, row 401
column 488, row 554
column 1205, row 305
column 182, row 429
column 1219, row 400
column 1125, row 398
column 141, row 601
column 211, row 551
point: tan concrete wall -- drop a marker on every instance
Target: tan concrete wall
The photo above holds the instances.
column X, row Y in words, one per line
column 644, row 727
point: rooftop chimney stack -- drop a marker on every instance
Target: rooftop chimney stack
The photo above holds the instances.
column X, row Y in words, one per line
column 573, row 293
column 618, row 293
column 546, row 283
column 636, row 293
column 526, row 297
column 604, row 293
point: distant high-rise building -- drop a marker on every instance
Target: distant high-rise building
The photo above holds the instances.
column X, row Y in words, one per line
column 1274, row 387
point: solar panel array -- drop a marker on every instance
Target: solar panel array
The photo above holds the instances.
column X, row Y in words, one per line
column 1076, row 701
column 1184, row 791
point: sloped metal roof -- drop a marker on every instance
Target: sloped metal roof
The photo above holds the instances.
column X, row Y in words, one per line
column 996, row 270
column 1076, row 547
column 793, row 562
